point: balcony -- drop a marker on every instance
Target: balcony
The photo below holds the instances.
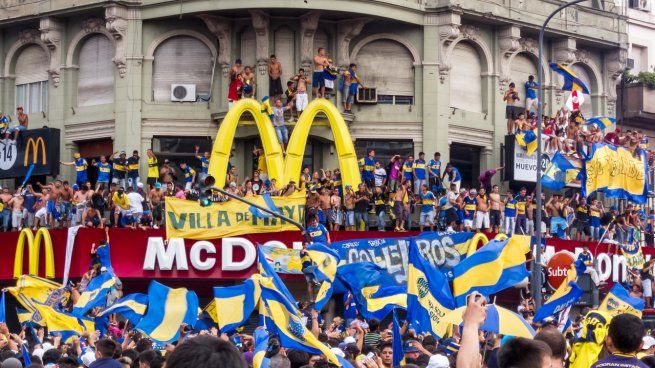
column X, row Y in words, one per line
column 635, row 105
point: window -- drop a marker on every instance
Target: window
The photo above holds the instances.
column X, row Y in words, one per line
column 181, row 60
column 395, row 100
column 522, row 67
column 32, row 79
column 466, row 78
column 95, row 79
column 388, row 66
column 180, row 149
column 384, row 149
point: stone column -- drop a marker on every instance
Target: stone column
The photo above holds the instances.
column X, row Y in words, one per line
column 346, row 31
column 308, row 25
column 222, row 30
column 260, row 23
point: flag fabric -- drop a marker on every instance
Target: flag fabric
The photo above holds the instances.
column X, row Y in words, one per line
column 559, row 173
column 323, row 296
column 631, row 249
column 563, row 320
column 492, row 268
column 603, row 122
column 3, row 312
column 428, row 294
column 167, row 309
column 95, row 294
column 563, row 298
column 571, row 81
column 375, row 292
column 326, row 261
column 397, row 341
column 269, row 204
column 235, row 304
column 30, row 289
column 574, row 101
column 498, row 320
column 131, row 306
column 26, row 355
column 449, row 346
column 266, row 270
column 59, row 322
column 528, row 140
column 619, row 301
column 282, row 320
column 627, row 178
column 259, row 359
column 25, row 318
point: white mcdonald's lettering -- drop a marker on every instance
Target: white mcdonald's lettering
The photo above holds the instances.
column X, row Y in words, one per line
column 201, row 255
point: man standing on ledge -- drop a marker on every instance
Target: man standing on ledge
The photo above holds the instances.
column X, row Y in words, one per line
column 318, row 83
column 274, row 73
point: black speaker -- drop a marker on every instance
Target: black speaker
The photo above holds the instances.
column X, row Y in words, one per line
column 587, row 285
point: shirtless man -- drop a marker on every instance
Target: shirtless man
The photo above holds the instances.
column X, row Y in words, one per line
column 494, row 216
column 5, row 197
column 23, row 121
column 274, row 74
column 41, row 213
column 326, row 207
column 511, row 96
column 16, row 204
column 482, row 210
column 313, row 203
column 236, row 69
column 555, row 208
column 350, row 208
column 167, row 172
column 249, row 83
column 290, row 189
column 399, row 205
column 318, row 83
column 81, row 197
column 66, row 195
column 335, row 204
column 156, row 197
column 92, row 217
column 301, row 91
column 52, row 201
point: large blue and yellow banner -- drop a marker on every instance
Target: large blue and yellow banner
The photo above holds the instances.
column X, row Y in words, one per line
column 187, row 219
column 616, row 172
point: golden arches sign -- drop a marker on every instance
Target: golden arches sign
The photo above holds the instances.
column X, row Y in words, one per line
column 34, row 251
column 280, row 168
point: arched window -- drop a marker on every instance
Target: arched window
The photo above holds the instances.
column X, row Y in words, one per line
column 587, row 107
column 388, row 66
column 522, row 67
column 248, row 47
column 181, row 60
column 95, row 79
column 32, row 79
column 466, row 78
column 285, row 47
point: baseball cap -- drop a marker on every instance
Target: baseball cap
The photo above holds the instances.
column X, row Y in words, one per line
column 438, row 361
column 139, row 185
column 77, row 155
column 158, row 185
column 473, row 191
column 233, row 185
column 338, row 352
column 349, row 340
column 649, row 342
column 123, row 153
column 75, row 187
column 613, row 208
column 166, row 161
column 409, row 348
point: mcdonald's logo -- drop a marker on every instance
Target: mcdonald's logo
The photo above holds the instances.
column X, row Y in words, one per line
column 35, row 145
column 34, row 248
column 285, row 169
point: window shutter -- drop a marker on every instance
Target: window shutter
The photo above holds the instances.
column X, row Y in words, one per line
column 248, row 47
column 522, row 67
column 95, row 80
column 388, row 66
column 466, row 78
column 181, row 60
column 285, row 52
column 31, row 65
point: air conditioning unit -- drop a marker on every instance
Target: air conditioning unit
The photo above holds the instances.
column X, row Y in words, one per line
column 367, row 95
column 183, row 92
column 642, row 5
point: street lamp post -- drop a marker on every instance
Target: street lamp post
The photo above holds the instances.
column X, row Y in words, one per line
column 536, row 266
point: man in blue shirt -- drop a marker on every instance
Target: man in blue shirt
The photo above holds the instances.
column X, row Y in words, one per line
column 427, row 208
column 317, row 232
column 420, row 172
column 587, row 259
column 531, row 101
column 434, row 173
column 454, row 177
column 204, row 163
column 80, row 168
column 367, row 170
column 189, row 175
column 104, row 172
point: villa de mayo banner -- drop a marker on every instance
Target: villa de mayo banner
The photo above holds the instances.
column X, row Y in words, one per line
column 187, row 219
column 616, row 172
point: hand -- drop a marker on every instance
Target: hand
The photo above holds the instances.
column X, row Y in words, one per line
column 4, row 330
column 476, row 310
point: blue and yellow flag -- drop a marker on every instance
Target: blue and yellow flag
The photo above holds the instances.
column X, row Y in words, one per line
column 631, row 249
column 259, row 359
column 559, row 173
column 619, row 301
column 131, row 306
column 266, row 270
column 616, row 172
column 565, row 296
column 95, row 294
column 571, row 81
column 397, row 341
column 235, row 304
column 374, row 290
column 603, row 122
column 59, row 322
column 30, row 289
column 428, row 294
column 492, row 268
column 323, row 296
column 326, row 261
column 167, row 310
column 282, row 320
column 269, row 204
column 25, row 318
column 528, row 140
column 27, row 360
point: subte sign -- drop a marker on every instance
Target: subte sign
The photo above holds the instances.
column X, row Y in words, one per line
column 558, row 267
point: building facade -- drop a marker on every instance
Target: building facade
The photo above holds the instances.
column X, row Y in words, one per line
column 101, row 71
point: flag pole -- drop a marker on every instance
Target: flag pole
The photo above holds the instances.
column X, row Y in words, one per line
column 536, row 265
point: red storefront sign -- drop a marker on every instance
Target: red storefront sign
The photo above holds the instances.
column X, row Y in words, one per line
column 558, row 268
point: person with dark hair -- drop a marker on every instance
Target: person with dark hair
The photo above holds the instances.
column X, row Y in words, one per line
column 51, row 356
column 105, row 353
column 524, row 353
column 66, row 362
column 624, row 339
column 298, row 358
column 649, row 361
column 205, row 352
column 150, row 359
column 143, row 345
column 372, row 337
column 557, row 343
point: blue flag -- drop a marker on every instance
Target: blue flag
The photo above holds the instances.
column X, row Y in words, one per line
column 26, row 356
column 528, row 140
column 95, row 294
column 268, row 204
column 131, row 306
column 619, row 301
column 397, row 341
column 3, row 312
column 603, row 122
column 374, row 290
column 234, row 304
column 266, row 270
column 571, row 81
column 559, row 173
column 259, row 359
column 167, row 310
column 428, row 295
column 565, row 296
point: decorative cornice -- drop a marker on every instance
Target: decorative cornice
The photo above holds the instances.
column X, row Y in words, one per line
column 260, row 23
column 89, row 130
column 222, row 29
column 116, row 22
column 346, row 31
column 51, row 30
column 308, row 26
